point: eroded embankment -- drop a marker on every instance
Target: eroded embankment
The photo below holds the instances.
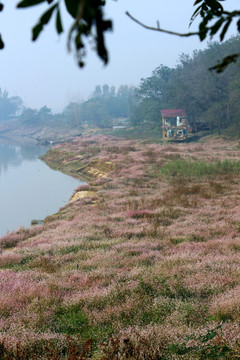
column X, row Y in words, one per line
column 77, row 164
column 81, row 166
column 151, row 260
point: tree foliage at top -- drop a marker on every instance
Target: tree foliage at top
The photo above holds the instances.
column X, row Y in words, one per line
column 214, row 20
column 89, row 22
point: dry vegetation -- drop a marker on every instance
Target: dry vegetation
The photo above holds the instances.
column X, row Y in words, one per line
column 146, row 268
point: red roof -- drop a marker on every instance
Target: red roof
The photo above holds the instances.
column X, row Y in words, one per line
column 173, row 112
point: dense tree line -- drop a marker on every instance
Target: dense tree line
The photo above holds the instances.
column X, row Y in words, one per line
column 105, row 107
column 9, row 106
column 208, row 97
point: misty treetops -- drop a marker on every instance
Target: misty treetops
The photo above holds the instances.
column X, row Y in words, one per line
column 105, row 105
column 9, row 106
column 206, row 96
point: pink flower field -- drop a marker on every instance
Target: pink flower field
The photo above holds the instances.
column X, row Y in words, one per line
column 146, row 268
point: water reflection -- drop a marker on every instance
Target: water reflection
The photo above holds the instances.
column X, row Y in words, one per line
column 13, row 155
column 31, row 152
column 8, row 156
column 29, row 189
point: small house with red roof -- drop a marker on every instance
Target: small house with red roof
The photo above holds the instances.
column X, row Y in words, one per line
column 174, row 124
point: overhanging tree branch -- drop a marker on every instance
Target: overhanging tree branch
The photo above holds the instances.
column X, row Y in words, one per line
column 215, row 19
column 89, row 23
column 158, row 28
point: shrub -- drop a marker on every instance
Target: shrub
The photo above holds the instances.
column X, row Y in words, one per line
column 10, row 240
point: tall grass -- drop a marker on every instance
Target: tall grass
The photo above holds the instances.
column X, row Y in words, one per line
column 72, row 350
column 189, row 168
column 149, row 271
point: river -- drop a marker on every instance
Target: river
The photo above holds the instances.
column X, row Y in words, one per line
column 29, row 189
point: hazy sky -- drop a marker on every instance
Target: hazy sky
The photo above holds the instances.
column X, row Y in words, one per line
column 44, row 73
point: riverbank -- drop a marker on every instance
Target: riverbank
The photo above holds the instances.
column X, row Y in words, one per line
column 47, row 135
column 149, row 257
column 79, row 161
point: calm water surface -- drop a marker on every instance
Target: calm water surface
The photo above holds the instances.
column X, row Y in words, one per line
column 29, row 189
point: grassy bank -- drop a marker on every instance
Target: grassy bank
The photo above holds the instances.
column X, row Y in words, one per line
column 144, row 267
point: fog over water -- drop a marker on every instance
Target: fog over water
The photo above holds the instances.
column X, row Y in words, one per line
column 29, row 189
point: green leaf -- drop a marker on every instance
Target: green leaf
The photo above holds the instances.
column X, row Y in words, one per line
column 36, row 31
column 73, row 7
column 1, row 43
column 203, row 30
column 27, row 3
column 204, row 7
column 238, row 25
column 225, row 62
column 59, row 26
column 226, row 26
column 195, row 14
column 214, row 5
column 216, row 26
column 44, row 19
column 197, row 2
